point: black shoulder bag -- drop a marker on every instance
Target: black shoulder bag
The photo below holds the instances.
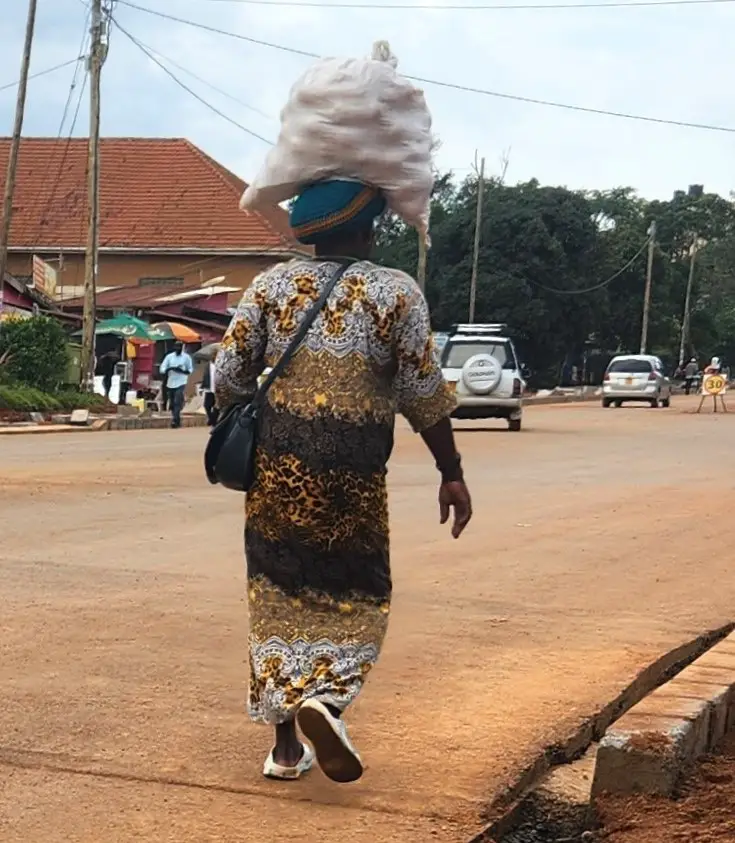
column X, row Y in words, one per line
column 229, row 458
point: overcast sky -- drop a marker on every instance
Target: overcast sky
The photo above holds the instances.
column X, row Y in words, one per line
column 671, row 62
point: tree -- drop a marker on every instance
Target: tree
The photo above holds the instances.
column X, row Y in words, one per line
column 566, row 269
column 34, row 351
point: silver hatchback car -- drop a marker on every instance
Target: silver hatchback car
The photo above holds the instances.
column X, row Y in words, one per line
column 636, row 377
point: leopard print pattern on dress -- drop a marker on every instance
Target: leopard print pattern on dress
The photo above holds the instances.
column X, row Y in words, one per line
column 316, row 534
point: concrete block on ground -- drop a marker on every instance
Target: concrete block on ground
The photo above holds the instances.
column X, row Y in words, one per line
column 649, row 748
column 720, row 657
column 79, row 418
column 673, row 702
column 645, row 754
column 717, row 686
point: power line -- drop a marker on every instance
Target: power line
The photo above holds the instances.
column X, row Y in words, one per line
column 205, row 81
column 189, row 90
column 450, row 85
column 613, row 4
column 217, row 31
column 42, row 73
column 596, row 287
column 64, row 115
column 64, row 154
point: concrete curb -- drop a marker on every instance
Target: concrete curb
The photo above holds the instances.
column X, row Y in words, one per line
column 157, row 423
column 650, row 748
column 117, row 423
column 510, row 811
column 200, row 420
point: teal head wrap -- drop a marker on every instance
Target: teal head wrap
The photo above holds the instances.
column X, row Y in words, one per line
column 328, row 208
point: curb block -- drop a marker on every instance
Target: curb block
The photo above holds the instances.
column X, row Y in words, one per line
column 650, row 747
column 117, row 423
column 163, row 423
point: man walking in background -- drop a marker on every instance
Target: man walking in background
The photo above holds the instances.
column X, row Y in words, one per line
column 691, row 370
column 176, row 368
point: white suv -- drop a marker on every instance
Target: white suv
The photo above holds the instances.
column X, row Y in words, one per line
column 482, row 366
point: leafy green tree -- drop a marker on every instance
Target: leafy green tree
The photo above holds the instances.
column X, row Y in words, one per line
column 548, row 253
column 34, row 351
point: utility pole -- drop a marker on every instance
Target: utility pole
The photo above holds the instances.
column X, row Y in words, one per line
column 20, row 108
column 476, row 251
column 421, row 269
column 649, row 278
column 97, row 55
column 687, row 301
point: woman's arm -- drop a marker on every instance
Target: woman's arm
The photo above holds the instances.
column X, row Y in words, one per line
column 241, row 358
column 425, row 400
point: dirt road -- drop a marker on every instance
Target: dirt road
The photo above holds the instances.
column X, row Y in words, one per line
column 600, row 539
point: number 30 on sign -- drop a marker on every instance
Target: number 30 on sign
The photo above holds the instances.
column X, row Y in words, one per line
column 714, row 385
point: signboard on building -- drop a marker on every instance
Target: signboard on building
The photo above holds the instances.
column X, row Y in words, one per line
column 44, row 278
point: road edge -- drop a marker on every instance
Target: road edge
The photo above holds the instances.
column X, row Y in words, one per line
column 505, row 813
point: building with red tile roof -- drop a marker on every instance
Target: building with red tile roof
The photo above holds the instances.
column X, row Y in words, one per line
column 169, row 215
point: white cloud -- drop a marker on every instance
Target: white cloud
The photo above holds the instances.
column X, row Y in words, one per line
column 672, row 62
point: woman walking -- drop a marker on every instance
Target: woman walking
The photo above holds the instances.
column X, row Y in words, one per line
column 316, row 534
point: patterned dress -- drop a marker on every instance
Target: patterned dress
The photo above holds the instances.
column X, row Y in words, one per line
column 316, row 534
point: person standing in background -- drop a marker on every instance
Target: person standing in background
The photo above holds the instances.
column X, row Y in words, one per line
column 210, row 405
column 106, row 367
column 176, row 368
column 691, row 370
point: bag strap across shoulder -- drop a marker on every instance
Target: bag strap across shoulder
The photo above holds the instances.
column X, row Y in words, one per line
column 298, row 337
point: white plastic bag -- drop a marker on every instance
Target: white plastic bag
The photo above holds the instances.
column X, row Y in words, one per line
column 353, row 118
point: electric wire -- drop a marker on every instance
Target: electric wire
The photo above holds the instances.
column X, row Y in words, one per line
column 186, row 87
column 39, row 73
column 449, row 85
column 596, row 287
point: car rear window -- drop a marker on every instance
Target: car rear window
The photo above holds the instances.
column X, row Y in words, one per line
column 456, row 354
column 631, row 367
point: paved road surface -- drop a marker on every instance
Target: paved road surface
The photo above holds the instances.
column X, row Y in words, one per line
column 600, row 539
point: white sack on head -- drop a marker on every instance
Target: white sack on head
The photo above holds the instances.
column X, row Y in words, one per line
column 353, row 118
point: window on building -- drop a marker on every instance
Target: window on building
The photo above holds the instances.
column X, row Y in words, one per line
column 160, row 282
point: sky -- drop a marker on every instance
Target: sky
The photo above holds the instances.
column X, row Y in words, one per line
column 671, row 62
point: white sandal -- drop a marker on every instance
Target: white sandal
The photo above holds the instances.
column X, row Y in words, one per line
column 271, row 770
column 335, row 753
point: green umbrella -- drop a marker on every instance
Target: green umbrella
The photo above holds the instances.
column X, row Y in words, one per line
column 131, row 328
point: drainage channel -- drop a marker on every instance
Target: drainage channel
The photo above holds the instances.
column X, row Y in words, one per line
column 526, row 813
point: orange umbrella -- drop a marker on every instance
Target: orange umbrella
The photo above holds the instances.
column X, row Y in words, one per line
column 180, row 332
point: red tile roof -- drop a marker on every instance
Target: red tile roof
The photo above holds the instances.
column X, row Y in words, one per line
column 155, row 194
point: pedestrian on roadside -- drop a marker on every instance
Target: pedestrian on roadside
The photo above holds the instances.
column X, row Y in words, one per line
column 176, row 368
column 691, row 370
column 316, row 533
column 207, row 385
column 106, row 367
column 714, row 367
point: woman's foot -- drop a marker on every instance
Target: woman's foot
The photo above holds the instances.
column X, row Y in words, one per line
column 289, row 771
column 335, row 753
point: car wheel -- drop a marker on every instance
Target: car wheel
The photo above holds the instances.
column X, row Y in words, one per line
column 654, row 404
column 618, row 404
column 514, row 425
column 606, row 402
column 666, row 403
